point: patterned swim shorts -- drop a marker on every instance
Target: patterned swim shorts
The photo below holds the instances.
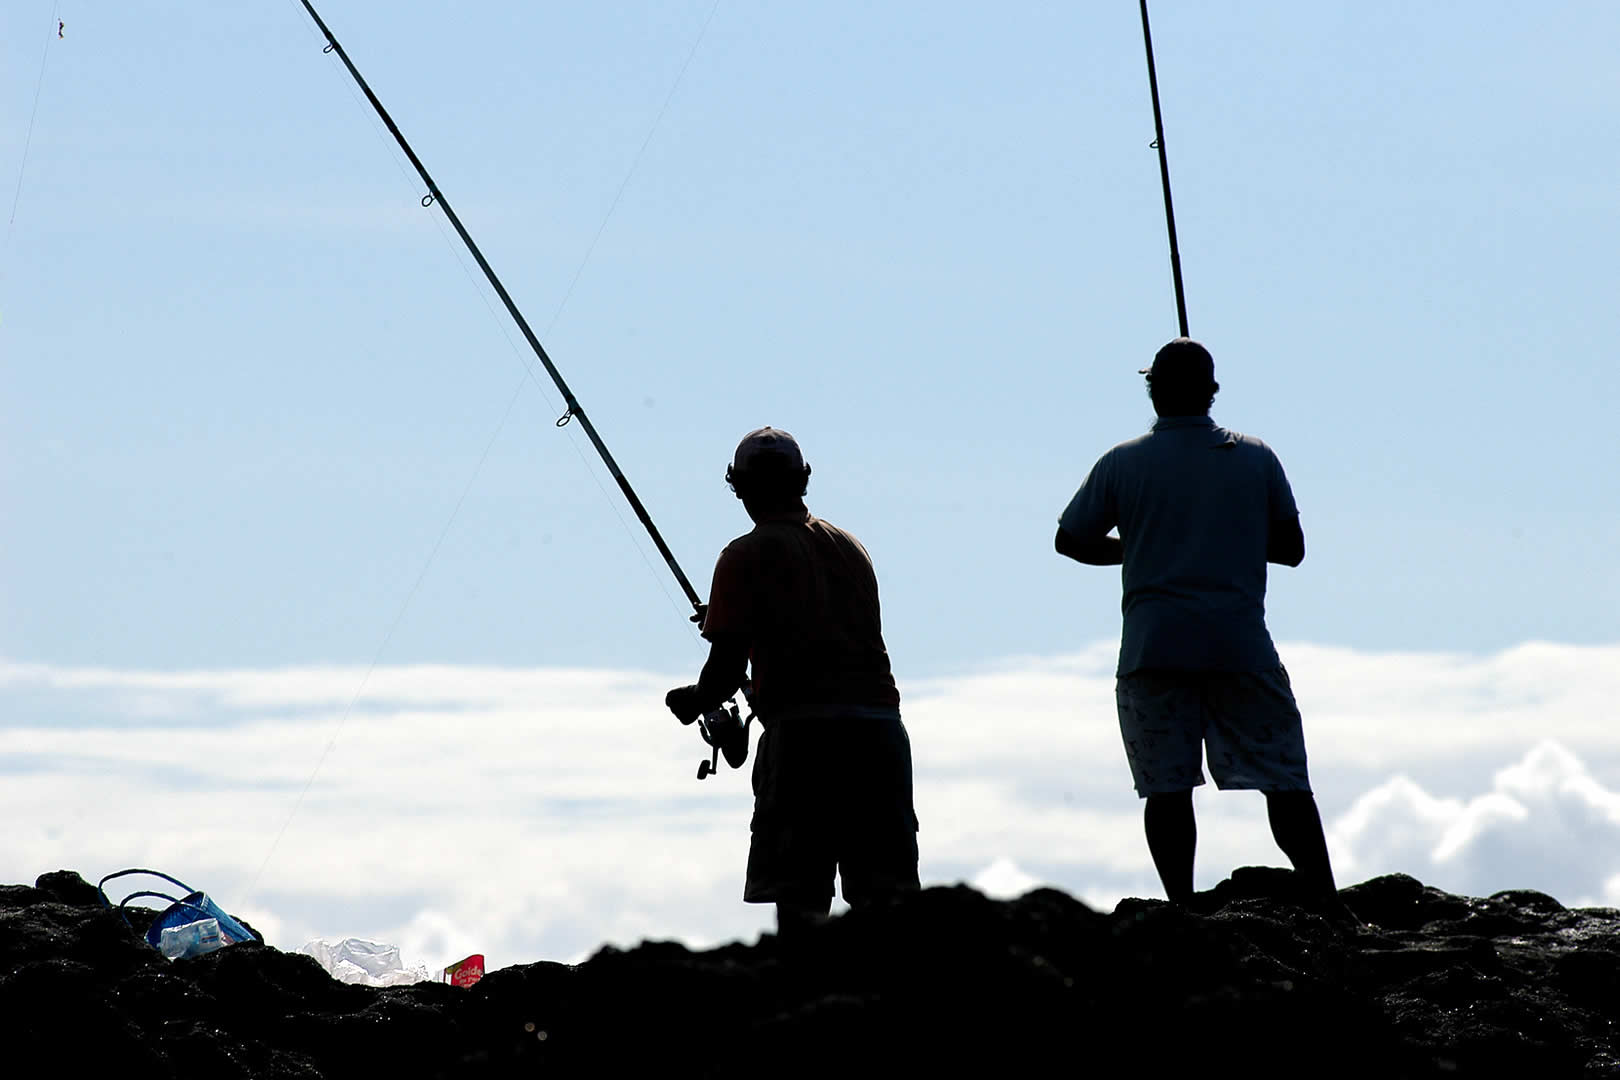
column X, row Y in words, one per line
column 1246, row 720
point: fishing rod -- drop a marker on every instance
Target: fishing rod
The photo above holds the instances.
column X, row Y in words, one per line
column 1164, row 173
column 572, row 408
column 719, row 726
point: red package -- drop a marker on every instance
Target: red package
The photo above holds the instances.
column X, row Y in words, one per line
column 466, row 972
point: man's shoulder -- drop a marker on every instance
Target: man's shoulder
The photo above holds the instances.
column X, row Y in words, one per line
column 1252, row 444
column 1126, row 451
column 826, row 526
column 741, row 545
column 841, row 537
column 1227, row 434
column 1119, row 450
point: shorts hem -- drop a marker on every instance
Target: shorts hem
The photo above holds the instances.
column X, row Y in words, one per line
column 1167, row 789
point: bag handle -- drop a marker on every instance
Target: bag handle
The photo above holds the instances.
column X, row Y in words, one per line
column 101, row 886
column 122, row 904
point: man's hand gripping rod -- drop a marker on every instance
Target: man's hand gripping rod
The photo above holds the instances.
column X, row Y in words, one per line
column 723, row 727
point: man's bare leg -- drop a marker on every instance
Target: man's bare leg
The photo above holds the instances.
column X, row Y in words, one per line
column 1296, row 824
column 797, row 915
column 1172, row 837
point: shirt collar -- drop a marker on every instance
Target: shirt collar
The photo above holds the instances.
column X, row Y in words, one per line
column 1165, row 422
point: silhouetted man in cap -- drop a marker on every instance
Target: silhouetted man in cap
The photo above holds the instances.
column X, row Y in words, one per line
column 1200, row 512
column 798, row 598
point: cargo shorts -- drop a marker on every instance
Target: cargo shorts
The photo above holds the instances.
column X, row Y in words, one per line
column 832, row 795
column 1247, row 721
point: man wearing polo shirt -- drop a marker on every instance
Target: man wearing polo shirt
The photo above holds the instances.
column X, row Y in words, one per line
column 797, row 596
column 1200, row 512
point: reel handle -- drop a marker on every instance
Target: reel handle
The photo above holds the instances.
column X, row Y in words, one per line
column 716, row 727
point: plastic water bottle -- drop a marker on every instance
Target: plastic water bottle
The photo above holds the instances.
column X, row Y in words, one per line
column 191, row 939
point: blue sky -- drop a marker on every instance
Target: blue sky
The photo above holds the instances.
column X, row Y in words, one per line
column 245, row 379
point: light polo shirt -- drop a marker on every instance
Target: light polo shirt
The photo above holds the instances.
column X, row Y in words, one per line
column 1194, row 504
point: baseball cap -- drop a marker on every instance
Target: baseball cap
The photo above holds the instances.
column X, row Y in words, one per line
column 767, row 440
column 1182, row 361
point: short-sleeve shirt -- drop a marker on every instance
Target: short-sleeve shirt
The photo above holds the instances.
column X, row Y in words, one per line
column 804, row 593
column 1194, row 504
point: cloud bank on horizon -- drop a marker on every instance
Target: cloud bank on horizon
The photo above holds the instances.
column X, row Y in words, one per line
column 535, row 813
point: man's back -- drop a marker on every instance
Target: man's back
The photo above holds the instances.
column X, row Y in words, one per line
column 1195, row 506
column 804, row 592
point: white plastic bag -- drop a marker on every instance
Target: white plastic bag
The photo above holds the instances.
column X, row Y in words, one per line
column 192, row 939
column 365, row 963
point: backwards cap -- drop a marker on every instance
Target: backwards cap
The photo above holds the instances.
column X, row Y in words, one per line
column 1182, row 361
column 766, row 440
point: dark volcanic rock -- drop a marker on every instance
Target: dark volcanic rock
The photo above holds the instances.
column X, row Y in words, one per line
column 1250, row 978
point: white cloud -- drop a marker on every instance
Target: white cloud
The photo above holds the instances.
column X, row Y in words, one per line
column 532, row 813
column 1545, row 823
column 1372, row 709
column 1004, row 880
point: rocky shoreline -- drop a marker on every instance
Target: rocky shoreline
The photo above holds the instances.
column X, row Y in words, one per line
column 1247, row 980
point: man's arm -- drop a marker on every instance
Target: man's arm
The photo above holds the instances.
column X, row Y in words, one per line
column 724, row 671
column 1091, row 515
column 1093, row 551
column 1285, row 542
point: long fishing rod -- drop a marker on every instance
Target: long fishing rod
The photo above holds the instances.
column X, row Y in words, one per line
column 572, row 408
column 1164, row 173
column 718, row 728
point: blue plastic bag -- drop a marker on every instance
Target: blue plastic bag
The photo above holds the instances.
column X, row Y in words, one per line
column 192, row 907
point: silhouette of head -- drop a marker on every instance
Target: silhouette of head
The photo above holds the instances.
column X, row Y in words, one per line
column 1181, row 381
column 768, row 471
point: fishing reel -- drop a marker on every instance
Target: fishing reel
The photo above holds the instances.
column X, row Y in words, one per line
column 725, row 730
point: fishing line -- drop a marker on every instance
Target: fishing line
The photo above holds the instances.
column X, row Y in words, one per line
column 28, row 140
column 579, row 272
column 702, row 31
column 376, row 659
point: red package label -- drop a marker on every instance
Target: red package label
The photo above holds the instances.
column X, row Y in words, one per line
column 466, row 972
